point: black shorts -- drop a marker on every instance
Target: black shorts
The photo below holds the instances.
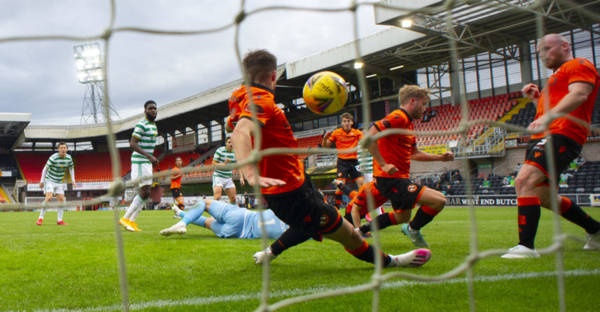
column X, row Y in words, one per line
column 346, row 169
column 176, row 192
column 564, row 149
column 402, row 192
column 304, row 209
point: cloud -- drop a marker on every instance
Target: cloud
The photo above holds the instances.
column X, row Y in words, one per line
column 40, row 77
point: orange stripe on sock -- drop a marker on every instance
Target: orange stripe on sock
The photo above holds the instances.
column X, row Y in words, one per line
column 430, row 211
column 565, row 204
column 528, row 201
column 360, row 250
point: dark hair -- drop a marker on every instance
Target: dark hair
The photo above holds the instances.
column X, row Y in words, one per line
column 62, row 143
column 148, row 103
column 259, row 65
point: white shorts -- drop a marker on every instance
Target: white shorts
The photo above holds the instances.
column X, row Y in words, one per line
column 224, row 183
column 142, row 170
column 54, row 188
column 368, row 177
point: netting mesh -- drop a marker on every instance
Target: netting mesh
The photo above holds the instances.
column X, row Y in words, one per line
column 378, row 278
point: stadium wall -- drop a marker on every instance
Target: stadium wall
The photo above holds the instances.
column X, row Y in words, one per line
column 502, row 165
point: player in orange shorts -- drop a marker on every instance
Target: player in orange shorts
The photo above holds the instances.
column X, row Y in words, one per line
column 392, row 155
column 286, row 189
column 570, row 90
column 347, row 163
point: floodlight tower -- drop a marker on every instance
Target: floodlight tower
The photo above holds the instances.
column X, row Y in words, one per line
column 89, row 62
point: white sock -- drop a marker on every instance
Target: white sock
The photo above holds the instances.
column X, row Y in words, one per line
column 132, row 207
column 138, row 203
column 59, row 214
column 379, row 210
column 42, row 211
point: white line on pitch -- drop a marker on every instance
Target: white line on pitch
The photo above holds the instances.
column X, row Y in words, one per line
column 299, row 292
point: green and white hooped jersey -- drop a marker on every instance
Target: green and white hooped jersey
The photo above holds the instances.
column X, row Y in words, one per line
column 222, row 155
column 365, row 161
column 57, row 166
column 146, row 132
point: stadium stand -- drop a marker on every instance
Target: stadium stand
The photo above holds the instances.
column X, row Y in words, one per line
column 89, row 166
column 448, row 117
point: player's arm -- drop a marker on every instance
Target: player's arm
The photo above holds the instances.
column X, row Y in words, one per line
column 374, row 150
column 43, row 178
column 176, row 174
column 134, row 144
column 422, row 156
column 327, row 141
column 531, row 91
column 229, row 125
column 578, row 93
column 72, row 173
column 242, row 147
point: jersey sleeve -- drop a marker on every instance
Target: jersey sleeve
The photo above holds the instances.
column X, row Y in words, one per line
column 391, row 121
column 138, row 132
column 333, row 137
column 579, row 72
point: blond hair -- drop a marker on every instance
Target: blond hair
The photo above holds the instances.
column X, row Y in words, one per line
column 411, row 91
column 347, row 116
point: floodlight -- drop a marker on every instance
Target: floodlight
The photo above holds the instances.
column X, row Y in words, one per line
column 396, row 67
column 88, row 61
column 406, row 23
column 358, row 65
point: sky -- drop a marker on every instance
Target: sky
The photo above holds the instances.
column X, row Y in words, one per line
column 39, row 77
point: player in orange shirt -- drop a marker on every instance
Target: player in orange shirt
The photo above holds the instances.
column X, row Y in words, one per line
column 358, row 208
column 176, row 183
column 344, row 138
column 288, row 192
column 391, row 159
column 571, row 90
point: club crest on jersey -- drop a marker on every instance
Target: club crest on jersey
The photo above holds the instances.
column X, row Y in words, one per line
column 259, row 109
column 412, row 188
column 324, row 220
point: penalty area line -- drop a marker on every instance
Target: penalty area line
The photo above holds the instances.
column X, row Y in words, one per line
column 299, row 292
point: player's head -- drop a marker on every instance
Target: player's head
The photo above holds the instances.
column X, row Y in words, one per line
column 554, row 49
column 62, row 149
column 261, row 67
column 150, row 110
column 178, row 162
column 228, row 144
column 347, row 121
column 413, row 99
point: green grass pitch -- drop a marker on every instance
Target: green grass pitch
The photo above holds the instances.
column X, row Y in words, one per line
column 75, row 267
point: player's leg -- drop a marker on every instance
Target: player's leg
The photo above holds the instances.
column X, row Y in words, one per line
column 290, row 238
column 572, row 212
column 361, row 249
column 60, row 196
column 139, row 200
column 527, row 186
column 48, row 192
column 432, row 202
column 193, row 215
column 230, row 190
column 178, row 198
column 217, row 191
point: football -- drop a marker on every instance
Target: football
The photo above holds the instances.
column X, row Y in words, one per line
column 325, row 93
